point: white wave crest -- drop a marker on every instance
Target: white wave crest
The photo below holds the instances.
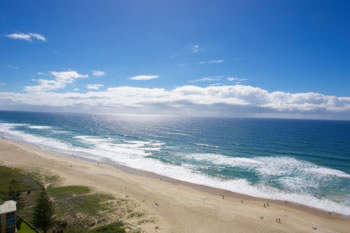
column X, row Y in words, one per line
column 221, row 159
column 38, row 127
column 206, row 145
column 270, row 166
column 324, row 171
column 8, row 130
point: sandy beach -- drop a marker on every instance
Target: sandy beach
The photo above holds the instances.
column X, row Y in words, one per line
column 177, row 207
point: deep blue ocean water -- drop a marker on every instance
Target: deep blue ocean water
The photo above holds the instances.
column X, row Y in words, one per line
column 304, row 161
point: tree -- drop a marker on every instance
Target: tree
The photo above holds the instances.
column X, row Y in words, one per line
column 43, row 212
column 14, row 193
column 18, row 222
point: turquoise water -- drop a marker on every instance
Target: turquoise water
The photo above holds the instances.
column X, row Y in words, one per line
column 303, row 161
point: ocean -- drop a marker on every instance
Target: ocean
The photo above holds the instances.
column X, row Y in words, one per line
column 302, row 161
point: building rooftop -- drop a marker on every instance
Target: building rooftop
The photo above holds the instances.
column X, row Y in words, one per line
column 7, row 206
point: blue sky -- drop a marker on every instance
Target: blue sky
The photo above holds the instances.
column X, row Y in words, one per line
column 276, row 46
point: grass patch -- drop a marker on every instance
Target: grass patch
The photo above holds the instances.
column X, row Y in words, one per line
column 87, row 204
column 25, row 229
column 110, row 228
column 25, row 182
column 67, row 191
column 44, row 177
column 79, row 207
column 6, row 175
column 92, row 204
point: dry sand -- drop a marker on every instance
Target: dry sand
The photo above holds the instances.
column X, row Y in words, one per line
column 177, row 207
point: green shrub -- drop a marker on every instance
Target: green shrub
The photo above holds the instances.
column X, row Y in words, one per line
column 116, row 227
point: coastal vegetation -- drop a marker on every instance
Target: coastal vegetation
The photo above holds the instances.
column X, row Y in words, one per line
column 24, row 228
column 116, row 227
column 43, row 212
column 46, row 204
column 11, row 176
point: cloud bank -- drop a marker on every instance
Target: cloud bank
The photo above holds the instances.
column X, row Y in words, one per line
column 28, row 37
column 61, row 79
column 230, row 101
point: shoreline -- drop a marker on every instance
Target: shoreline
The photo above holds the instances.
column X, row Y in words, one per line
column 227, row 193
column 173, row 184
column 239, row 187
column 199, row 187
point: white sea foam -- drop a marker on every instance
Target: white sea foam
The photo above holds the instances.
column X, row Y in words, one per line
column 59, row 131
column 181, row 134
column 136, row 154
column 8, row 130
column 206, row 145
column 288, row 166
column 7, row 126
column 38, row 127
column 92, row 139
column 270, row 166
column 323, row 171
column 105, row 147
column 298, row 184
column 221, row 159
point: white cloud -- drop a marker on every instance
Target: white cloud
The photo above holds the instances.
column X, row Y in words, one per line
column 144, row 77
column 94, row 86
column 76, row 89
column 212, row 62
column 60, row 81
column 231, row 100
column 27, row 37
column 195, row 48
column 207, row 79
column 218, row 78
column 216, row 84
column 236, row 79
column 98, row 73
